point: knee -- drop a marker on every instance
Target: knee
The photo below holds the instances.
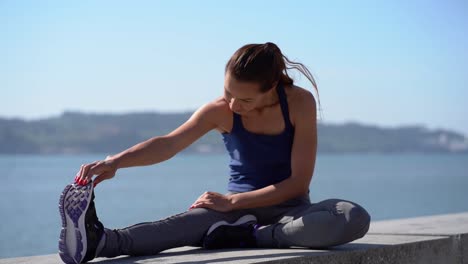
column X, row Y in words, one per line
column 358, row 222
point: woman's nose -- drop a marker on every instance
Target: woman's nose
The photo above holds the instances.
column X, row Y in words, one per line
column 235, row 105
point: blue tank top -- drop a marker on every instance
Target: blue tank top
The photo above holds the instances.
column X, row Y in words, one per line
column 259, row 160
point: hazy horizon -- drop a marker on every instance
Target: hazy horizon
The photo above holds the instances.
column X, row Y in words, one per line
column 320, row 120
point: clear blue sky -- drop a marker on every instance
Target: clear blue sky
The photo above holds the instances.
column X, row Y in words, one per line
column 387, row 63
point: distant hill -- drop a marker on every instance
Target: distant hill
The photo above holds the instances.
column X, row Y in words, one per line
column 74, row 132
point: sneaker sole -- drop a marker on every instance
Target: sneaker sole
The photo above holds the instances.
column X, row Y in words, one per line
column 244, row 219
column 74, row 202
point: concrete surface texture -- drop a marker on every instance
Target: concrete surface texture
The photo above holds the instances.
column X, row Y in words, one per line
column 431, row 239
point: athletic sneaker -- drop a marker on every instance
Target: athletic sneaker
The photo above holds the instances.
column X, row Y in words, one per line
column 240, row 234
column 81, row 229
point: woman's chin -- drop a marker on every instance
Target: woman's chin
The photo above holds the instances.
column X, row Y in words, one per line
column 243, row 112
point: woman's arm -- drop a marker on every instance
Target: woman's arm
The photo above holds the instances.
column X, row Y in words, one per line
column 156, row 149
column 302, row 167
column 161, row 148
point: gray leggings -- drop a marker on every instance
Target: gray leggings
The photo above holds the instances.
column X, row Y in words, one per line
column 296, row 222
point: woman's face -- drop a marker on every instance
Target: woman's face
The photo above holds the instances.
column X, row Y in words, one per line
column 242, row 97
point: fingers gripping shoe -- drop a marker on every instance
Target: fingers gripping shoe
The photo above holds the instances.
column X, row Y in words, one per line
column 240, row 234
column 81, row 228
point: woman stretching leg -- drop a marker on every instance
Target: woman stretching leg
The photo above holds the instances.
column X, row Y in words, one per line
column 270, row 131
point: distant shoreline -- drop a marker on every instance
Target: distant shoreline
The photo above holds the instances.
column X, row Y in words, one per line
column 80, row 133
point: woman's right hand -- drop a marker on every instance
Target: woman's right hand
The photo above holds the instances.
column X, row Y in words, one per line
column 104, row 170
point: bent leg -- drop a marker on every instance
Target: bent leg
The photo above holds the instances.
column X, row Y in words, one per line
column 328, row 223
column 149, row 238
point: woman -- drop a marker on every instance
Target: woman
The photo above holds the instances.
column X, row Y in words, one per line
column 269, row 128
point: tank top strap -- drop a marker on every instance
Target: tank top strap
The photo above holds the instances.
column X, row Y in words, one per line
column 284, row 106
column 236, row 122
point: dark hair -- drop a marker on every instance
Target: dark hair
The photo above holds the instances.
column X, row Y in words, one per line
column 266, row 65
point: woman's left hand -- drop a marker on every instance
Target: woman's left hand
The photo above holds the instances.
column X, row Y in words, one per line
column 215, row 201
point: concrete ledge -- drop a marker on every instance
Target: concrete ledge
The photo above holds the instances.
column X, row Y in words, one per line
column 433, row 239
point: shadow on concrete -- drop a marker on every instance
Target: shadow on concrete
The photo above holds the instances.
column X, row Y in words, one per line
column 184, row 256
column 357, row 246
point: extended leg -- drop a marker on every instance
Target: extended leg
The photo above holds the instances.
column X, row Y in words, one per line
column 185, row 229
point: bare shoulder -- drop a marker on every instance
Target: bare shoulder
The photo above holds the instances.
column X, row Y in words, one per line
column 216, row 112
column 301, row 103
column 215, row 108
